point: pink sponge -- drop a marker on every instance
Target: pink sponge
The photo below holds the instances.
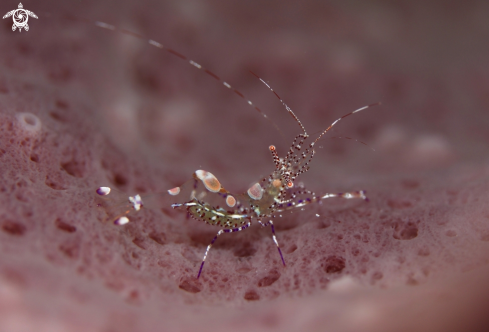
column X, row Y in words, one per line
column 83, row 107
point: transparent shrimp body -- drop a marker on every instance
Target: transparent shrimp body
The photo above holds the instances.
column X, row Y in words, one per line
column 202, row 197
column 205, row 199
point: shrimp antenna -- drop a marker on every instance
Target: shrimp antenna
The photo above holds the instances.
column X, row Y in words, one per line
column 305, row 135
column 344, row 116
column 175, row 53
column 356, row 140
column 283, row 103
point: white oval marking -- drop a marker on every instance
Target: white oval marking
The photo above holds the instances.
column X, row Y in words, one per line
column 210, row 182
column 255, row 191
column 230, row 201
column 103, row 191
column 174, row 191
column 121, row 221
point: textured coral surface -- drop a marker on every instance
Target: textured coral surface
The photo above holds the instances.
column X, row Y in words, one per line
column 82, row 107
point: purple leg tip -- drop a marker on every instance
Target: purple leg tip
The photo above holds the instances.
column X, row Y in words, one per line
column 281, row 256
column 200, row 270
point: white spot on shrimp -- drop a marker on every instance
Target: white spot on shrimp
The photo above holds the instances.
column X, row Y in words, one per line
column 209, row 180
column 29, row 123
column 200, row 174
column 121, row 221
column 103, row 191
column 255, row 191
column 230, row 201
column 136, row 202
column 174, row 191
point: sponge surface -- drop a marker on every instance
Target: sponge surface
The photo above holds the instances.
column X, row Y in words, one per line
column 83, row 107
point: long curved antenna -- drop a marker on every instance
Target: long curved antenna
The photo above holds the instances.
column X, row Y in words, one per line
column 283, row 103
column 344, row 116
column 173, row 52
column 356, row 140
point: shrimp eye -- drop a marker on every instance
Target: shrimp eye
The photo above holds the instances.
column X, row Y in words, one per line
column 272, row 147
column 290, row 184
